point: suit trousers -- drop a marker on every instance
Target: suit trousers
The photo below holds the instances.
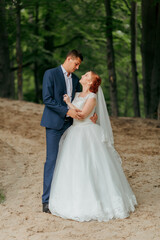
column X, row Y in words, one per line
column 53, row 137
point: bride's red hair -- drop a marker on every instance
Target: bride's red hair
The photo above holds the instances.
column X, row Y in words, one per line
column 96, row 82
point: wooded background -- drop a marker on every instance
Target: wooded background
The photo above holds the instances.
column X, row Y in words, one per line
column 119, row 39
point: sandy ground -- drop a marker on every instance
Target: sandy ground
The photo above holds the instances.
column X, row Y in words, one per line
column 22, row 156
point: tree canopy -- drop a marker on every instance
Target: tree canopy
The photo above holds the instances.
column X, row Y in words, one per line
column 38, row 34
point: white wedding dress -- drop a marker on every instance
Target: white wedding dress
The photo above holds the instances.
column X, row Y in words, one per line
column 88, row 181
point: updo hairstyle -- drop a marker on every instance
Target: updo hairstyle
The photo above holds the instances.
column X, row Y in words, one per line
column 96, row 81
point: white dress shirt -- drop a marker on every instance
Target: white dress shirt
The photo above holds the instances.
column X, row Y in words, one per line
column 68, row 80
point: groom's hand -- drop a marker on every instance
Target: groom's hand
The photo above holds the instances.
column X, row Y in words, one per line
column 74, row 113
column 94, row 118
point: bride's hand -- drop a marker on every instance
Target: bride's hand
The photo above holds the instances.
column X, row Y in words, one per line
column 66, row 99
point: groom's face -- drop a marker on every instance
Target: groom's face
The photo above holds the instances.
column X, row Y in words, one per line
column 73, row 63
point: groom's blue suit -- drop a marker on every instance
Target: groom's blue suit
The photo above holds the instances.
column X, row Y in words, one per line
column 54, row 119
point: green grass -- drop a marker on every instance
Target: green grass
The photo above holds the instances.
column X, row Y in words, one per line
column 2, row 197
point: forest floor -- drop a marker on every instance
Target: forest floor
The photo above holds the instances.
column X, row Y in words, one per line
column 22, row 156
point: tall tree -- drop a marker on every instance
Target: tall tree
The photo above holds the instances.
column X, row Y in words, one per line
column 49, row 33
column 151, row 56
column 5, row 78
column 19, row 50
column 133, row 59
column 36, row 78
column 155, row 78
column 111, row 59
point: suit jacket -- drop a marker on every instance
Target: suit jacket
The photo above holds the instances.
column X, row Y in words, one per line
column 54, row 87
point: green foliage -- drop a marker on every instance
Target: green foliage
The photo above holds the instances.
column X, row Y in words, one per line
column 65, row 25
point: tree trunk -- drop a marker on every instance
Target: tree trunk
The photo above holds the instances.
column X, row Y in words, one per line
column 133, row 60
column 159, row 110
column 126, row 94
column 5, row 80
column 151, row 56
column 49, row 38
column 36, row 79
column 155, row 77
column 111, row 59
column 19, row 51
column 12, row 77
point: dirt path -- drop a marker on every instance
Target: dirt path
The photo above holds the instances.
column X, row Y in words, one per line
column 22, row 155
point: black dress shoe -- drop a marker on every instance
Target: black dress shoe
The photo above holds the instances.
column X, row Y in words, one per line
column 45, row 208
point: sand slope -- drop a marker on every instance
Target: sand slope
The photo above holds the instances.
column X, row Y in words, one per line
column 22, row 156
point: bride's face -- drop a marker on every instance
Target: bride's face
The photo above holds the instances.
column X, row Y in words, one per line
column 86, row 79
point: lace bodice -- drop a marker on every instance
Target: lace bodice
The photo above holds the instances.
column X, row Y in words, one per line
column 79, row 103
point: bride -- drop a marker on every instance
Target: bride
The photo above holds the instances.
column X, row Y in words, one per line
column 88, row 181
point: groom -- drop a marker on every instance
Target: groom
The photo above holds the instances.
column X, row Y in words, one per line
column 56, row 116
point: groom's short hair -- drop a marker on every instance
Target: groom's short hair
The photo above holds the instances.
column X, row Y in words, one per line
column 75, row 53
